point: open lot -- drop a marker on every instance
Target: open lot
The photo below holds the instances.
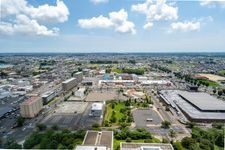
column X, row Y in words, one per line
column 141, row 115
column 103, row 96
column 72, row 115
column 71, row 107
column 213, row 77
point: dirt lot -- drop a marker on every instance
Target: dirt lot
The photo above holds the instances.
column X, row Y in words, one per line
column 213, row 77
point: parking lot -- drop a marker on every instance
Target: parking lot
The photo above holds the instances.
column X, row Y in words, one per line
column 146, row 117
column 72, row 115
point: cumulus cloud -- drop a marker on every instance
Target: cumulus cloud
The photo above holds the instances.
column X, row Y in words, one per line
column 148, row 25
column 157, row 10
column 99, row 1
column 117, row 20
column 186, row 26
column 29, row 18
column 212, row 3
column 58, row 13
column 26, row 26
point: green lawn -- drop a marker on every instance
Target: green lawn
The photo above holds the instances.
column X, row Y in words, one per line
column 118, row 107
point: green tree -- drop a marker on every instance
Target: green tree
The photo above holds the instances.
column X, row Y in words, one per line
column 12, row 144
column 41, row 127
column 20, row 121
column 165, row 124
column 188, row 142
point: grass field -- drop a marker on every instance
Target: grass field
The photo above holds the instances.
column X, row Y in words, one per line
column 118, row 107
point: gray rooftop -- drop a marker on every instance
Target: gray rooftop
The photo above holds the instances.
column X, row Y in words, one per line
column 203, row 101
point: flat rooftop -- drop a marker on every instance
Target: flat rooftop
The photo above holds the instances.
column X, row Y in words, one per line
column 31, row 100
column 69, row 80
column 173, row 98
column 145, row 146
column 203, row 101
column 102, row 138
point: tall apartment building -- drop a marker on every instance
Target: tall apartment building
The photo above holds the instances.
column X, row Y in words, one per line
column 31, row 107
column 78, row 76
column 69, row 84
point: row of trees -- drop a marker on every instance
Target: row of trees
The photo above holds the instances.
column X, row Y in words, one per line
column 137, row 134
column 202, row 139
column 51, row 139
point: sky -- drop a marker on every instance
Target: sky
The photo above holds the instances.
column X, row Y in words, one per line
column 112, row 26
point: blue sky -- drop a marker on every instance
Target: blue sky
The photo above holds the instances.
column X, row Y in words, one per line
column 112, row 26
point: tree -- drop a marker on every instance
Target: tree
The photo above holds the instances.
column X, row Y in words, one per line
column 220, row 93
column 20, row 121
column 217, row 125
column 96, row 126
column 55, row 127
column 12, row 144
column 206, row 144
column 165, row 124
column 172, row 133
column 128, row 139
column 188, row 142
column 41, row 127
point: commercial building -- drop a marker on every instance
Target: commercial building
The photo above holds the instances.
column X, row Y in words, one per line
column 117, row 82
column 69, row 84
column 196, row 106
column 155, row 82
column 145, row 146
column 95, row 140
column 31, row 107
column 97, row 109
column 49, row 95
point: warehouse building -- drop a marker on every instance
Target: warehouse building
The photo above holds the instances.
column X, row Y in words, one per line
column 95, row 140
column 31, row 107
column 69, row 84
column 196, row 106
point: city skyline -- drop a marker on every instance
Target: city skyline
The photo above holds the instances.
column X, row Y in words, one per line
column 112, row 26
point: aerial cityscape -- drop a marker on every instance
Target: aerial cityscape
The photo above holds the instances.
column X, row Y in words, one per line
column 112, row 74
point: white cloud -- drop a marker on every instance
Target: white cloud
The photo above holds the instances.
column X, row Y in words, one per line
column 95, row 22
column 26, row 26
column 186, row 26
column 58, row 13
column 28, row 18
column 117, row 20
column 212, row 3
column 99, row 1
column 148, row 25
column 156, row 10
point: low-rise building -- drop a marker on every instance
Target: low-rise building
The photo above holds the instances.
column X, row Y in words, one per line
column 145, row 146
column 80, row 93
column 97, row 109
column 31, row 107
column 97, row 140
